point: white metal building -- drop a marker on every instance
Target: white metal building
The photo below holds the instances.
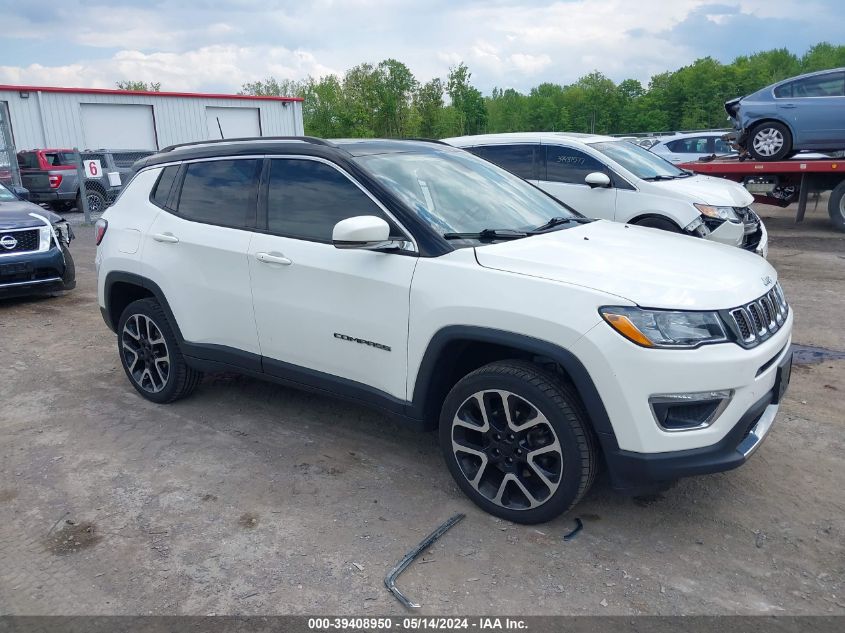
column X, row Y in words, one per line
column 89, row 118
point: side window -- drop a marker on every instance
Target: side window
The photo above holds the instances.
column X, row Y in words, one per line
column 222, row 192
column 696, row 145
column 517, row 159
column 565, row 164
column 784, row 91
column 721, row 147
column 827, row 85
column 306, row 198
column 161, row 191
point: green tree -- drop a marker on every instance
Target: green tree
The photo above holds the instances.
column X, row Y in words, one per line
column 139, row 86
column 470, row 111
column 428, row 109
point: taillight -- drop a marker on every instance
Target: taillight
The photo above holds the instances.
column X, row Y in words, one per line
column 100, row 230
column 55, row 181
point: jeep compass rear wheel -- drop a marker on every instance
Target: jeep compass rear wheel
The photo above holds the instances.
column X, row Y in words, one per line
column 150, row 354
column 517, row 442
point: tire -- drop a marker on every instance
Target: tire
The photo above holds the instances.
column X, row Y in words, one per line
column 478, row 458
column 836, row 206
column 96, row 201
column 69, row 277
column 60, row 207
column 659, row 223
column 146, row 344
column 769, row 141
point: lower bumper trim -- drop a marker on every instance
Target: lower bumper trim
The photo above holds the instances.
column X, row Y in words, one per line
column 641, row 472
column 33, row 282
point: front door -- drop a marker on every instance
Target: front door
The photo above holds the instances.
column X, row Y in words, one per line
column 340, row 312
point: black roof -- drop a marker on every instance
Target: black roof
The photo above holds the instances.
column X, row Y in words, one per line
column 303, row 145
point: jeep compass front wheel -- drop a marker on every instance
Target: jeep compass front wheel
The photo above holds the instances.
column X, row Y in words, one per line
column 517, row 442
column 150, row 354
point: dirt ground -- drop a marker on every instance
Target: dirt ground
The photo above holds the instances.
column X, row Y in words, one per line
column 249, row 498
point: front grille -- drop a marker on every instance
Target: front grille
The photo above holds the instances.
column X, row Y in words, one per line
column 19, row 241
column 758, row 320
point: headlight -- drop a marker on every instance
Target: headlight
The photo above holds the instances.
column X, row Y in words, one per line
column 665, row 328
column 718, row 213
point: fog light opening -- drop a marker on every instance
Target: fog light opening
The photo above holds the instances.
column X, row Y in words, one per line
column 688, row 411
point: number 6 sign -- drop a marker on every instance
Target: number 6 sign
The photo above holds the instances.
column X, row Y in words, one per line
column 93, row 169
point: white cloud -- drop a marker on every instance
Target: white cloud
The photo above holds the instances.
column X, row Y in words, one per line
column 218, row 45
column 223, row 68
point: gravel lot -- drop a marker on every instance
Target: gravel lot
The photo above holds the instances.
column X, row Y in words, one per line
column 249, row 498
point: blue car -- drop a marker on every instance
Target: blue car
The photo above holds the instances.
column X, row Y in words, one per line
column 805, row 112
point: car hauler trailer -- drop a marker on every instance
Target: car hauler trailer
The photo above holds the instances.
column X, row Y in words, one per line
column 783, row 182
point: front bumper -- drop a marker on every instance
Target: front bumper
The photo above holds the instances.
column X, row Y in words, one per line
column 638, row 450
column 52, row 196
column 642, row 472
column 31, row 273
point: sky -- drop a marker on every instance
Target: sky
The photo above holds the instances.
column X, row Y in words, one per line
column 217, row 45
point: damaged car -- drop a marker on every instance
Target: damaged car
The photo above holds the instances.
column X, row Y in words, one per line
column 34, row 253
column 802, row 113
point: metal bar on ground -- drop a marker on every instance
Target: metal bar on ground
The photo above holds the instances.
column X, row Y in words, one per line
column 402, row 565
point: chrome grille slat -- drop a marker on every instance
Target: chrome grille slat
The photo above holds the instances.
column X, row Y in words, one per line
column 758, row 320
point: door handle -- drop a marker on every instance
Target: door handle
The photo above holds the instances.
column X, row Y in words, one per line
column 788, row 106
column 267, row 258
column 167, row 238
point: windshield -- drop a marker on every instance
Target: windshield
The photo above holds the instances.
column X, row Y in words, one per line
column 6, row 195
column 639, row 161
column 456, row 192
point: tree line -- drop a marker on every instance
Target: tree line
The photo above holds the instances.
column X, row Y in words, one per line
column 386, row 100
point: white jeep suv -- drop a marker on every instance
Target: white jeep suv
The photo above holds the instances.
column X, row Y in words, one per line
column 613, row 179
column 443, row 290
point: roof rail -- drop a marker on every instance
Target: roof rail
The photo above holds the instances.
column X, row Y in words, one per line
column 304, row 139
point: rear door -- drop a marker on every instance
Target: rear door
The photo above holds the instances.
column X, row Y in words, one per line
column 563, row 174
column 196, row 251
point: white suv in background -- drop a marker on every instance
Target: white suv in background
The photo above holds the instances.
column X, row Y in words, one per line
column 608, row 178
column 443, row 290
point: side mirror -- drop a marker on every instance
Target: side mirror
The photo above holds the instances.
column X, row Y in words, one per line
column 597, row 179
column 363, row 231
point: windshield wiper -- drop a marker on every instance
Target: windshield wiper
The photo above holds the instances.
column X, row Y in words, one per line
column 559, row 221
column 660, row 177
column 487, row 234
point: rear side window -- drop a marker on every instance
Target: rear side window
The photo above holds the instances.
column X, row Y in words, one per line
column 306, row 198
column 161, row 191
column 565, row 164
column 518, row 159
column 60, row 159
column 221, row 192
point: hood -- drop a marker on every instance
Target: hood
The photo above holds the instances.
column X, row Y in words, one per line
column 14, row 214
column 708, row 190
column 649, row 267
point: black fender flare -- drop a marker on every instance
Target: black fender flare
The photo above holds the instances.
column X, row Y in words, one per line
column 427, row 373
column 117, row 276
